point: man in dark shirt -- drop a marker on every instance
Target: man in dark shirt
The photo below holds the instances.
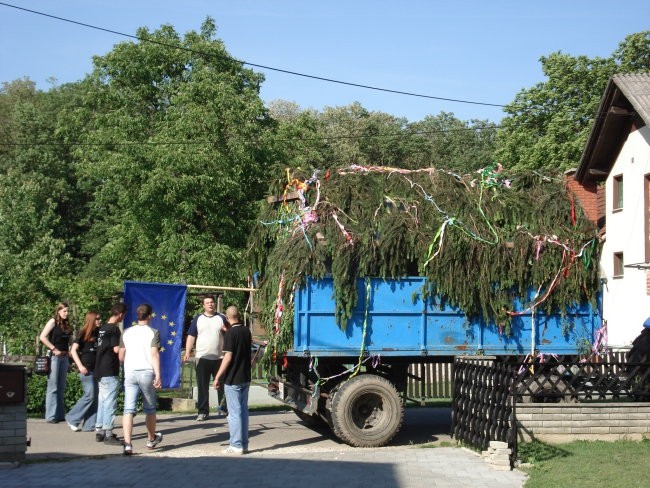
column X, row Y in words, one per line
column 235, row 375
column 107, row 372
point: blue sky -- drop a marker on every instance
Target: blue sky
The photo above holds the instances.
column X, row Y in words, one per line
column 482, row 51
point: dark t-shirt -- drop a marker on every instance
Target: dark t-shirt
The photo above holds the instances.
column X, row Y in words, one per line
column 238, row 341
column 107, row 362
column 59, row 338
column 87, row 351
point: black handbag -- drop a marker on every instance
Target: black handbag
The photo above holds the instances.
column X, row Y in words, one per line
column 41, row 365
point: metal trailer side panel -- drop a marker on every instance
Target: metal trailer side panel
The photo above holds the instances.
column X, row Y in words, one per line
column 398, row 322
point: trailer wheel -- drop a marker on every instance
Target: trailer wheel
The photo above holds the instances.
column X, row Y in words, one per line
column 366, row 411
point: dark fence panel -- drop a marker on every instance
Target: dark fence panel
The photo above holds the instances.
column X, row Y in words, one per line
column 483, row 407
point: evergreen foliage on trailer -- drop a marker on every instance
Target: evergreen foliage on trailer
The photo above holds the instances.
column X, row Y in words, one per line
column 481, row 240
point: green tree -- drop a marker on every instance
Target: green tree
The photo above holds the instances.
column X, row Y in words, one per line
column 174, row 150
column 38, row 211
column 547, row 125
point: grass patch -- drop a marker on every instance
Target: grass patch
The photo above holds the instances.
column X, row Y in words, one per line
column 620, row 464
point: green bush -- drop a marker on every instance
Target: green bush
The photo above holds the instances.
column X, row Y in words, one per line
column 37, row 386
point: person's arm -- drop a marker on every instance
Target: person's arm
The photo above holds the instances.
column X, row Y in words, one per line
column 155, row 362
column 121, row 352
column 189, row 345
column 227, row 358
column 44, row 339
column 75, row 355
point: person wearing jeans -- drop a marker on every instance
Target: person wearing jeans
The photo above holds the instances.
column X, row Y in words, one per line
column 235, row 374
column 107, row 373
column 56, row 337
column 83, row 353
column 139, row 351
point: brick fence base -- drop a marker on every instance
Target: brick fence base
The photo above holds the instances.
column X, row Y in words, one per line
column 562, row 422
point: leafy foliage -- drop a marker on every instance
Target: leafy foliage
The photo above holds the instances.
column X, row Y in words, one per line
column 547, row 125
column 480, row 240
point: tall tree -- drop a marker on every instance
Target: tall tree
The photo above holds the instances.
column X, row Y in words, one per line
column 173, row 144
column 38, row 210
column 547, row 125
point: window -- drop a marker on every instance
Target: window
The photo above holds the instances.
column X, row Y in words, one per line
column 618, row 265
column 618, row 192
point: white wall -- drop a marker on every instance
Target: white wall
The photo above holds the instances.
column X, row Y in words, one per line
column 625, row 301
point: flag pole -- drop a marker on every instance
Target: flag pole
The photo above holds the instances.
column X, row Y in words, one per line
column 225, row 288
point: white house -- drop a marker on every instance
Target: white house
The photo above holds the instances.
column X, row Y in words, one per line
column 615, row 172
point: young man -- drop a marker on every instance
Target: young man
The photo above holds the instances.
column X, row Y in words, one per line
column 235, row 375
column 107, row 372
column 206, row 332
column 139, row 351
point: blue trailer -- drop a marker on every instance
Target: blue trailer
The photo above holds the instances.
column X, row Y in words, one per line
column 354, row 379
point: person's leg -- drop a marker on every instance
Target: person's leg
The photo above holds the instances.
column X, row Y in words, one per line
column 243, row 398
column 131, row 390
column 60, row 390
column 234, row 416
column 110, row 404
column 52, row 391
column 79, row 412
column 202, row 384
column 91, row 414
column 149, row 400
column 127, row 427
column 223, row 404
column 102, row 397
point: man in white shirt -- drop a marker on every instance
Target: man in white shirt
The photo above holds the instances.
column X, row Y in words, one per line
column 139, row 351
column 206, row 333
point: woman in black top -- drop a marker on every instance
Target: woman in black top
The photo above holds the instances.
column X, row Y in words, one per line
column 84, row 413
column 56, row 337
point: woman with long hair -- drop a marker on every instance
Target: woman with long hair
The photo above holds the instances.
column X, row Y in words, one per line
column 56, row 337
column 84, row 351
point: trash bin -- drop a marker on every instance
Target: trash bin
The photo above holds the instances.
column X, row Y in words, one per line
column 13, row 413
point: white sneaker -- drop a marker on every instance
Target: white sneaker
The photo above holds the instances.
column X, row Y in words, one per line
column 73, row 428
column 233, row 450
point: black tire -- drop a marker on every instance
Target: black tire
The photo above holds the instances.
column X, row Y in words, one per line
column 366, row 411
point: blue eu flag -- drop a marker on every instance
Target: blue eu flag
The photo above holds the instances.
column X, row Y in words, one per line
column 168, row 303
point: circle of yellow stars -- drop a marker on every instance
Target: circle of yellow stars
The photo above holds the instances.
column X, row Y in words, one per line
column 171, row 323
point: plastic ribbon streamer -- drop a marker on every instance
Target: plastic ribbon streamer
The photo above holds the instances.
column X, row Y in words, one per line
column 279, row 306
column 364, row 329
column 529, row 359
column 345, row 233
column 313, row 366
column 600, row 340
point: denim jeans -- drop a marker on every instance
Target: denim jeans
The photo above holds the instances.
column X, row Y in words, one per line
column 85, row 410
column 237, row 398
column 108, row 387
column 54, row 395
column 139, row 381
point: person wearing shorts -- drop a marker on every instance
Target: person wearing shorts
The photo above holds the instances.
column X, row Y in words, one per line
column 139, row 351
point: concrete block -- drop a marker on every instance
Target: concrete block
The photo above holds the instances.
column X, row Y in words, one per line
column 183, row 404
column 498, row 445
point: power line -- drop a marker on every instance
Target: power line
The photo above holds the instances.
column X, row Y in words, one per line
column 200, row 143
column 246, row 63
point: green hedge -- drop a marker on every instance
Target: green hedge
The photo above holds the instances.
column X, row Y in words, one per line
column 37, row 386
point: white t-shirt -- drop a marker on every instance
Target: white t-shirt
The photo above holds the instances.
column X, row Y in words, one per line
column 209, row 338
column 138, row 341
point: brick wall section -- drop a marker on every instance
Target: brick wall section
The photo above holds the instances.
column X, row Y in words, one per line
column 13, row 432
column 587, row 196
column 562, row 422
